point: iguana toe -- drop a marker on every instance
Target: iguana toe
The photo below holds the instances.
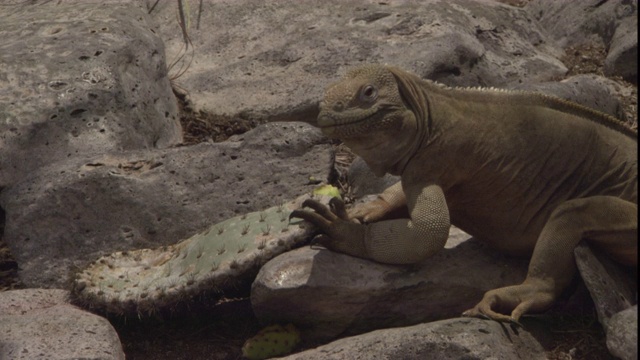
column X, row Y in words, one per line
column 484, row 311
column 517, row 299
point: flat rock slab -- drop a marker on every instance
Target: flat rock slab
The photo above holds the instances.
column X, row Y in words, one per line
column 70, row 213
column 445, row 339
column 80, row 79
column 611, row 286
column 328, row 294
column 260, row 60
column 40, row 324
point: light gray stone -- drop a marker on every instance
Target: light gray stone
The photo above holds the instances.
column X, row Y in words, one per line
column 329, row 294
column 445, row 339
column 622, row 334
column 40, row 324
column 262, row 60
column 80, row 79
column 72, row 212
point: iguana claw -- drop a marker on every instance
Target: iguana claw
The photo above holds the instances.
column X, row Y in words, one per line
column 340, row 234
column 496, row 317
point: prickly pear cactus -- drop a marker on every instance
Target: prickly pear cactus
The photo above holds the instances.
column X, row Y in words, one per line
column 274, row 340
column 148, row 280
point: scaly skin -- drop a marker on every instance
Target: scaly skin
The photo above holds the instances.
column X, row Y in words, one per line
column 528, row 173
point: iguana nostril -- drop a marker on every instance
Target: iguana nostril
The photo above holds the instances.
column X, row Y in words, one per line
column 338, row 106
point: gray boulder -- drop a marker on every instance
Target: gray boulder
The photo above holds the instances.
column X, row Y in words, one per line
column 445, row 339
column 40, row 324
column 259, row 60
column 329, row 294
column 72, row 212
column 80, row 79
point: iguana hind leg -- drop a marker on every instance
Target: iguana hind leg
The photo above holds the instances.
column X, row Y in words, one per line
column 609, row 223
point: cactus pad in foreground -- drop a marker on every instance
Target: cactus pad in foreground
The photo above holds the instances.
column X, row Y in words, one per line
column 274, row 340
column 144, row 281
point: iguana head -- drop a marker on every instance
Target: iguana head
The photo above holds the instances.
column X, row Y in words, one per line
column 373, row 110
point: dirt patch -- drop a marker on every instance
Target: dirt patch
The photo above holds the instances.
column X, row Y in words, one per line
column 199, row 126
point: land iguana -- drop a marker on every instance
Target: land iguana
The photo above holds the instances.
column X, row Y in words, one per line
column 528, row 173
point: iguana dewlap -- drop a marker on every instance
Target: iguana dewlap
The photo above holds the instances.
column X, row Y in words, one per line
column 525, row 172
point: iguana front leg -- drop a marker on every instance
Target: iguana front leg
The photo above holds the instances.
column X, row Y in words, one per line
column 399, row 241
column 392, row 203
column 607, row 222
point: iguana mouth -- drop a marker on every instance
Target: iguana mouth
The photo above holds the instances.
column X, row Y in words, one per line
column 344, row 127
column 345, row 118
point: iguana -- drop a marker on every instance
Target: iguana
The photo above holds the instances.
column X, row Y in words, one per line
column 528, row 173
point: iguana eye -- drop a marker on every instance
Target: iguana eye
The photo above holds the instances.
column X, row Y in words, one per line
column 368, row 93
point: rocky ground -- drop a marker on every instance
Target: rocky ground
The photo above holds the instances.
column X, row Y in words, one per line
column 219, row 331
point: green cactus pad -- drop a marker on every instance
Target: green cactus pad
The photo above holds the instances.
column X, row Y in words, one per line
column 274, row 340
column 144, row 281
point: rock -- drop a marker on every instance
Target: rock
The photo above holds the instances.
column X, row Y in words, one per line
column 622, row 59
column 328, row 294
column 40, row 324
column 362, row 181
column 72, row 212
column 577, row 22
column 257, row 60
column 609, row 284
column 622, row 334
column 80, row 79
column 588, row 90
column 446, row 339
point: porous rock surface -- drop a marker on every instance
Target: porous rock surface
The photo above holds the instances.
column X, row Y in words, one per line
column 40, row 324
column 261, row 60
column 446, row 339
column 79, row 79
